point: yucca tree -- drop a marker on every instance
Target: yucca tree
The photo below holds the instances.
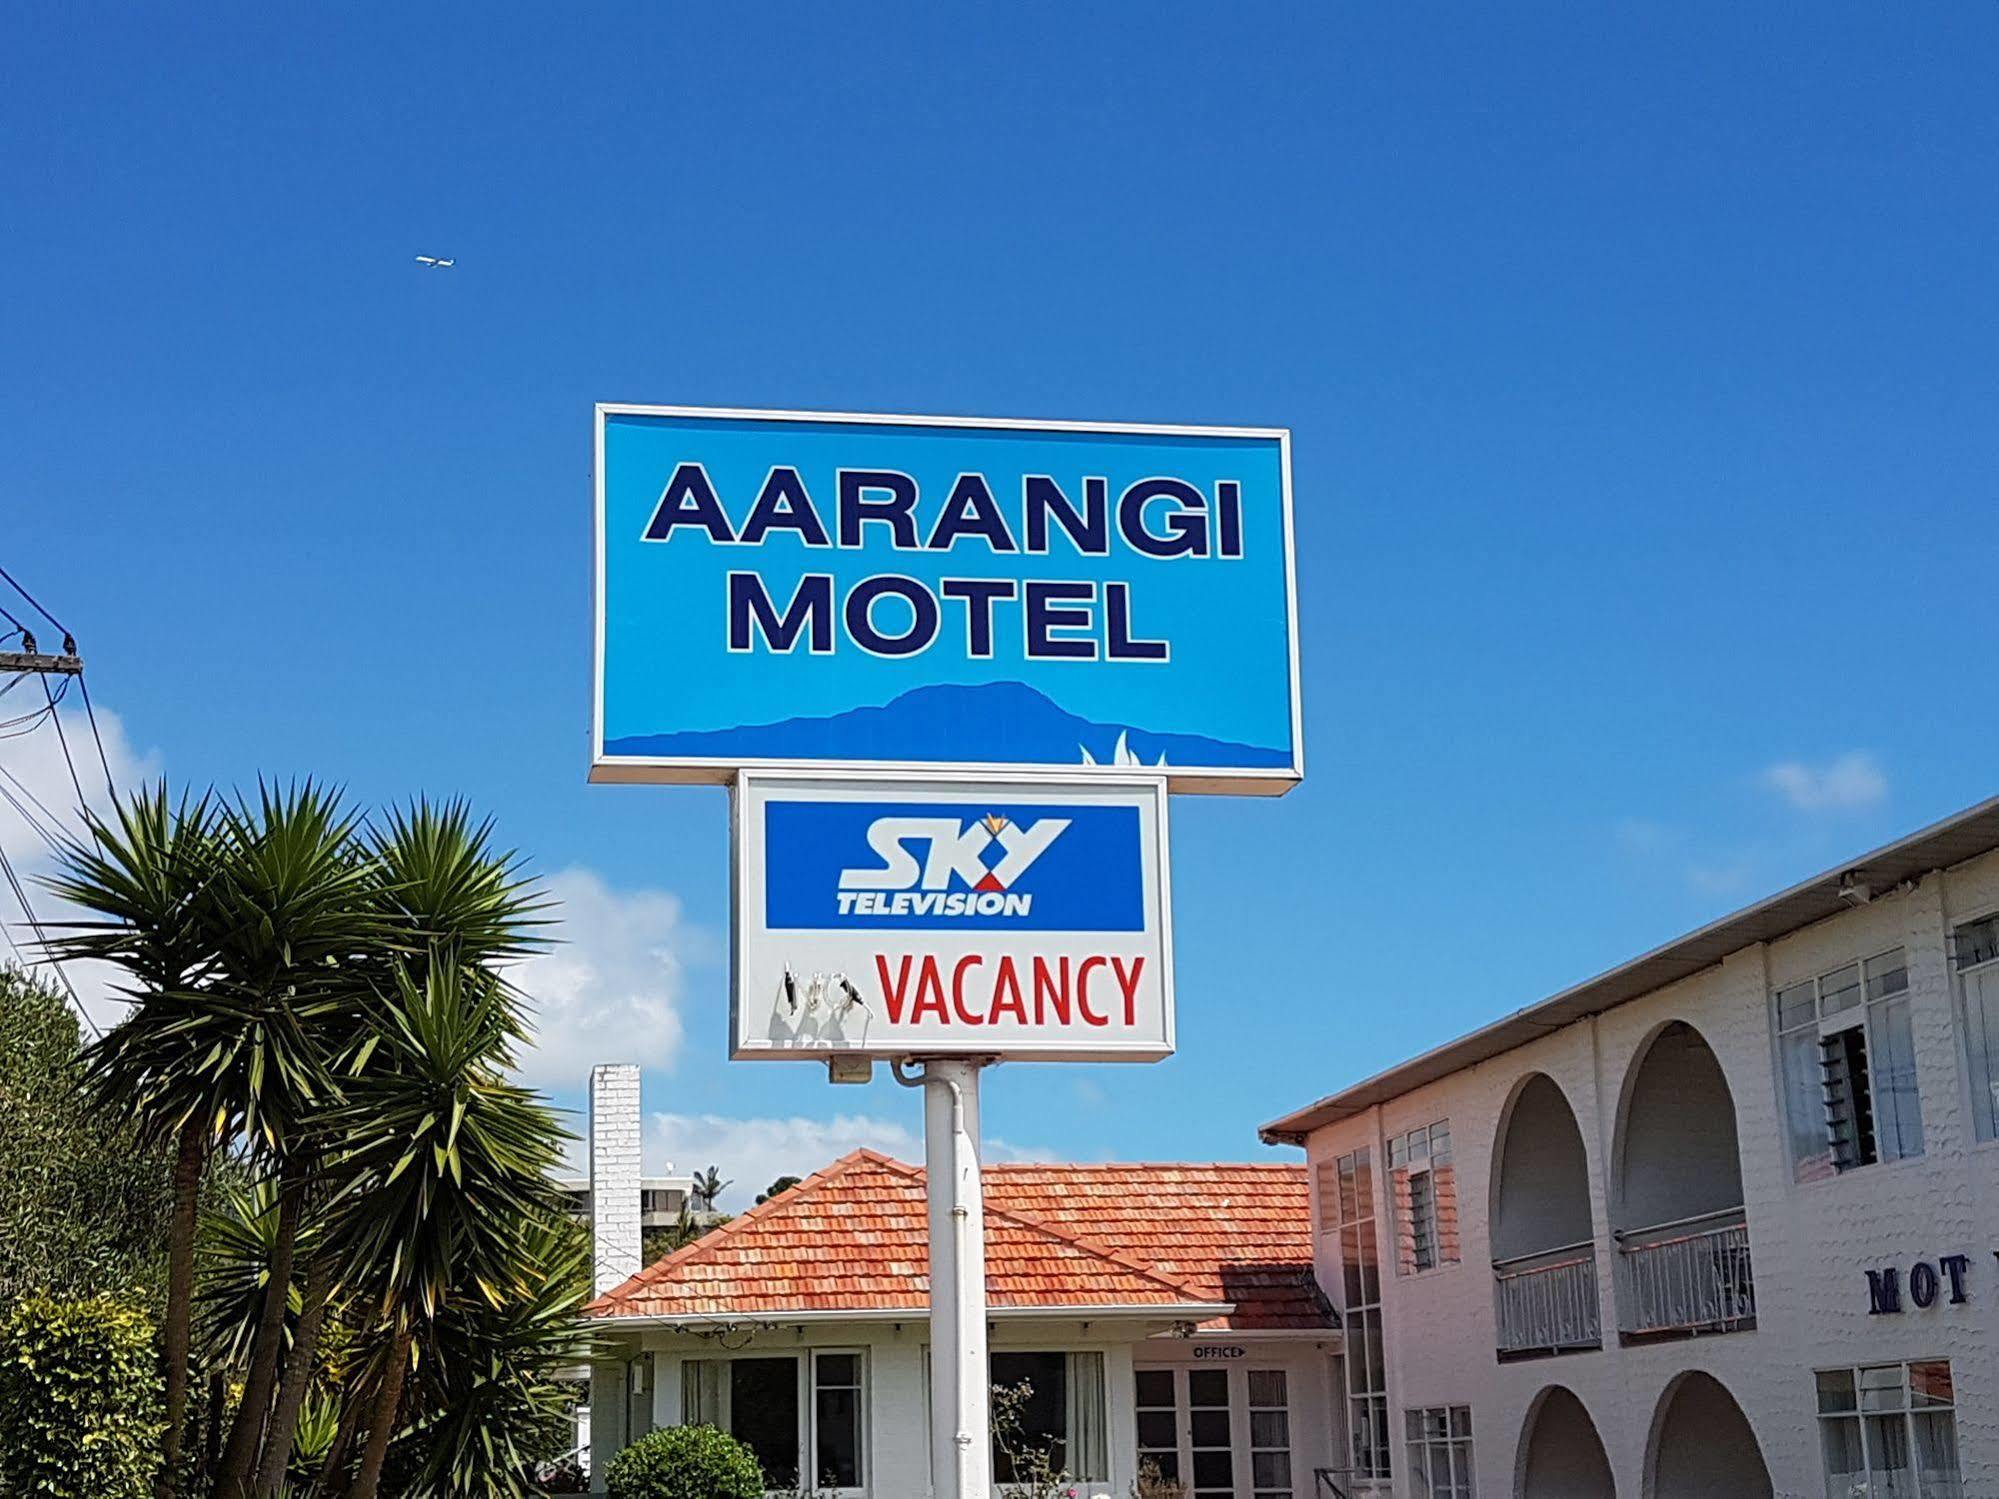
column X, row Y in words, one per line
column 435, row 883
column 147, row 874
column 292, row 901
column 446, row 1159
column 234, row 1256
column 485, row 1401
column 442, row 884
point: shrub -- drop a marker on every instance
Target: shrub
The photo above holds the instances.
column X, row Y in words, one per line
column 78, row 1382
column 83, row 1208
column 685, row 1462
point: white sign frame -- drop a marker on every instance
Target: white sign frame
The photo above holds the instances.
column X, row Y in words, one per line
column 752, row 970
column 710, row 771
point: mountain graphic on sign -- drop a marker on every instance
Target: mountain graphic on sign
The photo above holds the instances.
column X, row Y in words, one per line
column 993, row 723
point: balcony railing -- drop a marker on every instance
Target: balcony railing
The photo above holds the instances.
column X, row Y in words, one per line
column 1685, row 1277
column 1546, row 1302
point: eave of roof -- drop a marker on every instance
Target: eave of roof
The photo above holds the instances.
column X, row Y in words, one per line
column 1159, row 1311
column 1963, row 836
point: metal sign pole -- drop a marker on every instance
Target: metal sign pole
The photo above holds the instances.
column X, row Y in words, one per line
column 960, row 1393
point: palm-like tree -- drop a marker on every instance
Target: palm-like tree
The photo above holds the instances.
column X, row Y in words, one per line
column 292, row 899
column 709, row 1185
column 446, row 1160
column 487, row 1390
column 148, row 872
column 435, row 881
column 333, row 1000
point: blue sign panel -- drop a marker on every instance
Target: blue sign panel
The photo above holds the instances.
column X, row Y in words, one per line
column 894, row 866
column 783, row 590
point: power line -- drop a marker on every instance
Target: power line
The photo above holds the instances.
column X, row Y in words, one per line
column 47, row 826
column 82, row 802
column 41, row 936
column 68, row 639
column 90, row 712
column 44, row 826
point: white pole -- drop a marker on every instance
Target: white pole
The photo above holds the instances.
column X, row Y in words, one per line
column 960, row 1383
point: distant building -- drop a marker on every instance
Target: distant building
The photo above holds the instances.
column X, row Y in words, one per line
column 1719, row 1222
column 660, row 1199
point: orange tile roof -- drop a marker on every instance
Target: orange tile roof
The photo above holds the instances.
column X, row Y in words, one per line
column 853, row 1238
column 1232, row 1231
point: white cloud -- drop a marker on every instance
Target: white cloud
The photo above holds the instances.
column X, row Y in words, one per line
column 1851, row 780
column 39, row 793
column 612, row 989
column 753, row 1153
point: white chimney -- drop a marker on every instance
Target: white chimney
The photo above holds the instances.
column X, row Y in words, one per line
column 615, row 1127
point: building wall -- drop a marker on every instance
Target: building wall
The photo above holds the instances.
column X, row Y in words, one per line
column 897, row 1419
column 1811, row 1243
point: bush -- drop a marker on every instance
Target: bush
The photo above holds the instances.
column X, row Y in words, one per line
column 685, row 1462
column 83, row 1208
column 79, row 1385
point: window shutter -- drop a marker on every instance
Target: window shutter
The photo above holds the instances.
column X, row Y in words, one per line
column 1329, row 1197
column 1445, row 1179
column 1405, row 1220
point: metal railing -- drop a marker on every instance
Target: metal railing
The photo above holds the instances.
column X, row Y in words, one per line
column 1546, row 1302
column 1688, row 1276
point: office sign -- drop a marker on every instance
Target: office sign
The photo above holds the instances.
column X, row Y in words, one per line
column 951, row 596
column 1024, row 917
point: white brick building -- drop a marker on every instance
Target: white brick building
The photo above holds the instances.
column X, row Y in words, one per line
column 1719, row 1222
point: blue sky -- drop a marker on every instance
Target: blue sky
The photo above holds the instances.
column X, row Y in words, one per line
column 1639, row 364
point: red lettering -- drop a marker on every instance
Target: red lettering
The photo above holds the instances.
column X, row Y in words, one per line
column 1008, row 983
column 1129, row 983
column 1083, row 990
column 970, row 960
column 1048, row 995
column 893, row 991
column 929, row 992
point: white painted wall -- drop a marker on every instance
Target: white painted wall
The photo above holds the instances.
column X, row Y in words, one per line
column 1811, row 1243
column 615, row 1140
column 897, row 1420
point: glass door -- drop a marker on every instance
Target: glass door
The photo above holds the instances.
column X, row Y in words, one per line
column 1223, row 1433
column 1210, row 1435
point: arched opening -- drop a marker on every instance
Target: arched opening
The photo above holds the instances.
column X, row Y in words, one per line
column 1702, row 1445
column 1561, row 1456
column 1543, row 1250
column 1676, row 1207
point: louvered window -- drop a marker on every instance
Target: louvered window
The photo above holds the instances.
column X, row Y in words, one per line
column 1424, row 1186
column 1849, row 1067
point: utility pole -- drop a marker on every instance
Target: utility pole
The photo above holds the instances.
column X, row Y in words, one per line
column 961, row 1393
column 28, row 659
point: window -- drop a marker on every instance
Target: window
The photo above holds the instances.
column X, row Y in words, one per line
column 1426, row 1199
column 1849, row 1067
column 1346, row 1203
column 1439, row 1452
column 1192, row 1431
column 836, row 1420
column 1889, row 1429
column 1062, row 1415
column 1269, row 1435
column 763, row 1414
column 1975, row 956
column 763, row 1403
column 1158, row 1423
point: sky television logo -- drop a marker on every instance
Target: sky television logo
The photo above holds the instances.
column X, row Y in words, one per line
column 968, row 868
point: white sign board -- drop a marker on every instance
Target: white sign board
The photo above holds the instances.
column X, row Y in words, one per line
column 1014, row 917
